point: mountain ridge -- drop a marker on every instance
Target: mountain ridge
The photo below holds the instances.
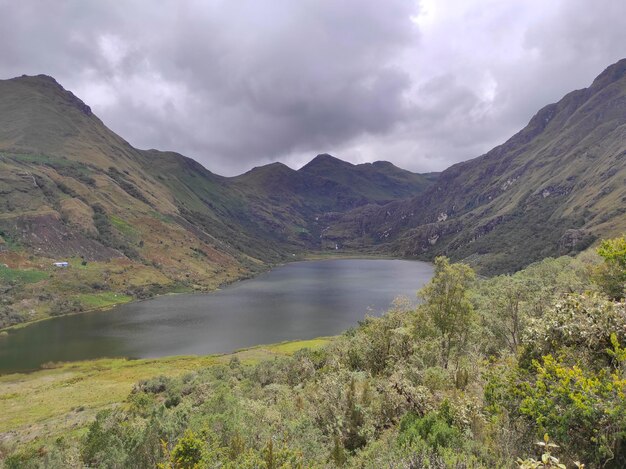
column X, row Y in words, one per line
column 567, row 150
column 142, row 222
column 137, row 222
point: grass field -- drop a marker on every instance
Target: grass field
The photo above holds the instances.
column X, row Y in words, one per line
column 22, row 275
column 61, row 400
column 102, row 300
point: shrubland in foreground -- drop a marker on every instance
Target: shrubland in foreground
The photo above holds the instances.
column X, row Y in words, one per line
column 474, row 376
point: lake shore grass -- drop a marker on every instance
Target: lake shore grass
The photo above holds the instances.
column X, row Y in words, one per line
column 61, row 399
column 94, row 301
column 323, row 255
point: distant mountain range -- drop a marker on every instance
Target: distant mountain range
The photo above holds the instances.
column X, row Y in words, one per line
column 70, row 187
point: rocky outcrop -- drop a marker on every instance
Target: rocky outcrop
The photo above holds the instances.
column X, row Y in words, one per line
column 46, row 235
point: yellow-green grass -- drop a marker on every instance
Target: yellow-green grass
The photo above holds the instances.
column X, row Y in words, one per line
column 288, row 348
column 63, row 399
column 252, row 355
column 22, row 275
column 123, row 226
column 102, row 300
column 323, row 255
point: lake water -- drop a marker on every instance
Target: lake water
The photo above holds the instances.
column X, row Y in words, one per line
column 301, row 300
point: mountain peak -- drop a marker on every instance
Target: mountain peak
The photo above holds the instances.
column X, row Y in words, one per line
column 324, row 161
column 275, row 166
column 383, row 164
column 41, row 78
column 275, row 169
column 325, row 157
column 611, row 74
column 48, row 85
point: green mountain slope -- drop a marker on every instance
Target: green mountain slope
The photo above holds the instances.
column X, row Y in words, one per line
column 140, row 222
column 550, row 189
column 376, row 182
column 292, row 202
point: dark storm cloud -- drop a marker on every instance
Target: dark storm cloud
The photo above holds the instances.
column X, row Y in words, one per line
column 236, row 84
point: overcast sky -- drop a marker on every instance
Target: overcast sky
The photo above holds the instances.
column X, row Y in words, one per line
column 239, row 83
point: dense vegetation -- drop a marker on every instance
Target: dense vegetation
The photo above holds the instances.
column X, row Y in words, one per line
column 474, row 376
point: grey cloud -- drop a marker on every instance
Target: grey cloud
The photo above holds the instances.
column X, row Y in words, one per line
column 237, row 84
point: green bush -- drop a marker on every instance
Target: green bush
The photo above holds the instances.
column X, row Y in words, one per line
column 432, row 429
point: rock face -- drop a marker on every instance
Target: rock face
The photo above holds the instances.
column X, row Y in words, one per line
column 46, row 235
column 574, row 239
column 550, row 189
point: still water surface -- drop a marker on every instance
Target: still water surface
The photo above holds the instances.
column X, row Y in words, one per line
column 301, row 300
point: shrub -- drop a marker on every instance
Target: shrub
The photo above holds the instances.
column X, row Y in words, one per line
column 432, row 428
column 188, row 452
column 583, row 409
column 611, row 276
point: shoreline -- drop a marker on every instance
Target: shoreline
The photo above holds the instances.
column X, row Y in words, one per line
column 70, row 364
column 304, row 257
column 47, row 402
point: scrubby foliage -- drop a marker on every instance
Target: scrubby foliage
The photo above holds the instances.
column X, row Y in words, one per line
column 472, row 377
column 612, row 273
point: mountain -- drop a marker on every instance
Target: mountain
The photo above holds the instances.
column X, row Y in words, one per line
column 377, row 182
column 141, row 222
column 551, row 189
column 325, row 185
column 73, row 188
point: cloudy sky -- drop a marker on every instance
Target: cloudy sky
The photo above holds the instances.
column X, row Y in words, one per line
column 238, row 83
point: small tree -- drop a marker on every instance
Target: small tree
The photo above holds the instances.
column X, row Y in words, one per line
column 501, row 303
column 611, row 276
column 447, row 302
column 188, row 452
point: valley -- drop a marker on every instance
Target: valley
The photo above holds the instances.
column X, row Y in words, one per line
column 136, row 223
column 518, row 333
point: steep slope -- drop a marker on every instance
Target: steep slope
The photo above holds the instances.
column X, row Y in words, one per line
column 132, row 221
column 550, row 189
column 292, row 202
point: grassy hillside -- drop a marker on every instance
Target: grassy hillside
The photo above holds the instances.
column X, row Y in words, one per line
column 472, row 377
column 551, row 189
column 135, row 223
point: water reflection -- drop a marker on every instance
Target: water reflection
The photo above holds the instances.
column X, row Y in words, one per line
column 297, row 301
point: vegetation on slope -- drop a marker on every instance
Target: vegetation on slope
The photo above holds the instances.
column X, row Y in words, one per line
column 143, row 222
column 472, row 377
column 551, row 189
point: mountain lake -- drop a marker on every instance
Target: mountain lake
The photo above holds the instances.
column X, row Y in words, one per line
column 300, row 300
